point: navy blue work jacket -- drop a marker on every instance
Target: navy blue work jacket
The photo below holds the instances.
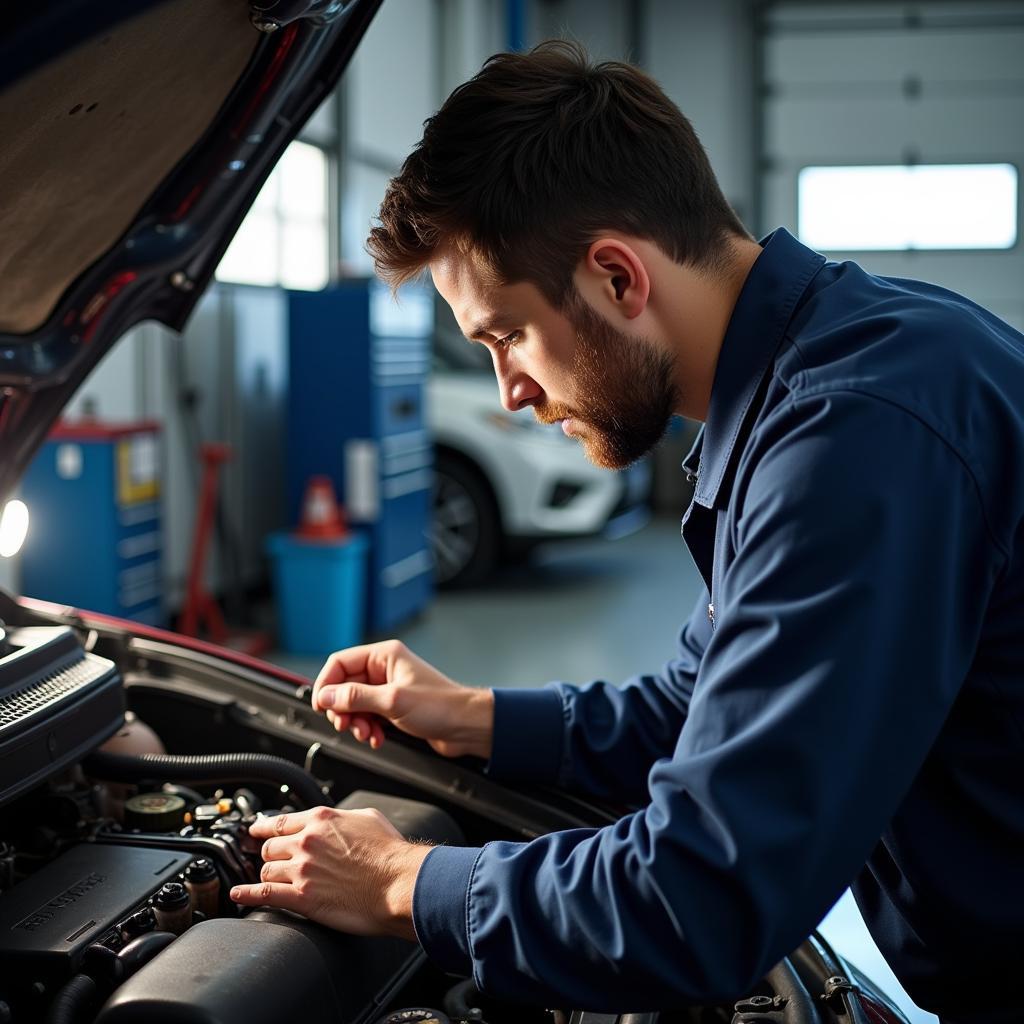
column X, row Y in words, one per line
column 847, row 702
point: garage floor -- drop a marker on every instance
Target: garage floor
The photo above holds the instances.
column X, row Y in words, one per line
column 578, row 610
column 587, row 610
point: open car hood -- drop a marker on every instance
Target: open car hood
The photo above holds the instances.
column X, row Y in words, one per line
column 135, row 137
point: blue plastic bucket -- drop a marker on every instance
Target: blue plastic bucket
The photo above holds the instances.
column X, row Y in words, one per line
column 320, row 588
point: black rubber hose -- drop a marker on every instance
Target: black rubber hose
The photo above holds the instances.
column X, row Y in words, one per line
column 72, row 1001
column 461, row 1000
column 784, row 981
column 142, row 949
column 207, row 768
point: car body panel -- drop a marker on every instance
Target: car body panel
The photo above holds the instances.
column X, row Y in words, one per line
column 154, row 261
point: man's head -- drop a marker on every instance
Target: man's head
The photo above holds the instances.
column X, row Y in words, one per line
column 553, row 192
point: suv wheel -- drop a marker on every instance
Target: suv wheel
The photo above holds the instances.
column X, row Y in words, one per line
column 465, row 535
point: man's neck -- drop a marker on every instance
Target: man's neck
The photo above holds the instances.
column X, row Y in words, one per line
column 697, row 306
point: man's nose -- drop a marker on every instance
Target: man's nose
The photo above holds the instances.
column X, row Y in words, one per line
column 518, row 390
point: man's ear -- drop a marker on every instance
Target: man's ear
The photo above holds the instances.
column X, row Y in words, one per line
column 615, row 271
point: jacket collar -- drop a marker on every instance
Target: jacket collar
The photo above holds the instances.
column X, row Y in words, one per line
column 766, row 303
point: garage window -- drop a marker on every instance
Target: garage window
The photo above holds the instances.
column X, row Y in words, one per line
column 284, row 238
column 926, row 206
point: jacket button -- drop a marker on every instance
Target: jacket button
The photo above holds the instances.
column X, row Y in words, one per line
column 711, row 614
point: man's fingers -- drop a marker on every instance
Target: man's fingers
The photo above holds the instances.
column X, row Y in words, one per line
column 348, row 697
column 276, row 871
column 278, row 825
column 376, row 734
column 368, row 728
column 339, row 721
column 363, row 727
column 267, row 894
column 342, row 666
column 368, row 664
column 277, row 848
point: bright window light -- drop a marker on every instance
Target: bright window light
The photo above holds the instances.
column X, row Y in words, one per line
column 303, row 256
column 254, row 255
column 283, row 240
column 13, row 528
column 927, row 206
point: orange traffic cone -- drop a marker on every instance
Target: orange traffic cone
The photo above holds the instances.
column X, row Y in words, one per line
column 322, row 518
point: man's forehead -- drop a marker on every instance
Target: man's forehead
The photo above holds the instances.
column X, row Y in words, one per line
column 457, row 270
column 473, row 294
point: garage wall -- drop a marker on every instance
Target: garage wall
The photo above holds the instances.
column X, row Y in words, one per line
column 702, row 54
column 610, row 29
column 382, row 122
column 894, row 83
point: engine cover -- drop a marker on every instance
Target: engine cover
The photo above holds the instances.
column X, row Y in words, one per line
column 266, row 968
column 49, row 919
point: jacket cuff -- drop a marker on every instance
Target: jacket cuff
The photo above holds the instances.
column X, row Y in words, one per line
column 528, row 735
column 440, row 907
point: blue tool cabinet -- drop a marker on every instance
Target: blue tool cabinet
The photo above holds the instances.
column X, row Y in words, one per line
column 94, row 540
column 358, row 363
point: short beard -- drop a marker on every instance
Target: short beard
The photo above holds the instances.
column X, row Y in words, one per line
column 625, row 391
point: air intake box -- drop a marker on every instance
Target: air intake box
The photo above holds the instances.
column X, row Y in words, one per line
column 57, row 703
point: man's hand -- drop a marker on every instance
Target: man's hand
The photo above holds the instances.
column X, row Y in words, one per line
column 349, row 870
column 360, row 686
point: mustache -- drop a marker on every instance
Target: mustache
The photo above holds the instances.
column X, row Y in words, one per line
column 552, row 412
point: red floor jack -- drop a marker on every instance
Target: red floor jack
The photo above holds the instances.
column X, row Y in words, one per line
column 201, row 610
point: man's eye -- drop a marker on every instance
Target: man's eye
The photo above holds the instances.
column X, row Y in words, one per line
column 509, row 339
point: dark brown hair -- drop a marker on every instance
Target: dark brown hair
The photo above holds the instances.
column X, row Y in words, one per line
column 528, row 161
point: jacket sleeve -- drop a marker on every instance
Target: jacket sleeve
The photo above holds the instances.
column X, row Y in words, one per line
column 847, row 622
column 599, row 738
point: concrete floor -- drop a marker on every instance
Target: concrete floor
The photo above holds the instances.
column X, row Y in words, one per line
column 577, row 611
column 587, row 610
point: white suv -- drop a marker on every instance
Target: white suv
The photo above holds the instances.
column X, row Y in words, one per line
column 505, row 482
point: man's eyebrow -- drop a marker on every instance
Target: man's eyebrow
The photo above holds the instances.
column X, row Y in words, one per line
column 489, row 325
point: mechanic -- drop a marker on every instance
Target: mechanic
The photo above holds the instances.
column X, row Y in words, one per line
column 846, row 705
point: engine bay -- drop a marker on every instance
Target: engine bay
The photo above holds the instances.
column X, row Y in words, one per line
column 116, row 857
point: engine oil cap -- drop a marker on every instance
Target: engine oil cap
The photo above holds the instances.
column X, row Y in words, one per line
column 173, row 896
column 200, row 870
column 155, row 812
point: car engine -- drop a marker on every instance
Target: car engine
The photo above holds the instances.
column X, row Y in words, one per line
column 116, row 858
column 113, row 883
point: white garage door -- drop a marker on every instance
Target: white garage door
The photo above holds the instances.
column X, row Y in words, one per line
column 903, row 86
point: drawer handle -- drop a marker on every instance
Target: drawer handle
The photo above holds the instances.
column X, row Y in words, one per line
column 404, row 408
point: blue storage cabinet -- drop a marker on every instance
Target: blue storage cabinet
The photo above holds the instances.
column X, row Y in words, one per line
column 358, row 363
column 94, row 540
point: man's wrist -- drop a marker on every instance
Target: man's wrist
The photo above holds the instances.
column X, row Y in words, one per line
column 405, row 862
column 480, row 721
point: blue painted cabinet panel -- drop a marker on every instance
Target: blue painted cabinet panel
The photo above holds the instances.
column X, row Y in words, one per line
column 95, row 538
column 357, row 370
